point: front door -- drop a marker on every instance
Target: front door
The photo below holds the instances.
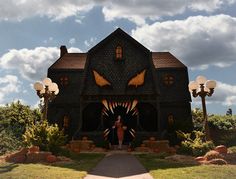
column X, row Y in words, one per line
column 128, row 113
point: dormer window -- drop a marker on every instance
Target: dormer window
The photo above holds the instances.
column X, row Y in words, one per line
column 64, row 81
column 168, row 80
column 118, row 52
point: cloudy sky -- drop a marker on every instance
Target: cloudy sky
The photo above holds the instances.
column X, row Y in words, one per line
column 201, row 33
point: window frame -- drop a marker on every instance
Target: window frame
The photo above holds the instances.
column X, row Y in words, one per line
column 118, row 52
column 64, row 81
column 168, row 80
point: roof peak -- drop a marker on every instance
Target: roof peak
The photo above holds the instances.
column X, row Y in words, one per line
column 122, row 32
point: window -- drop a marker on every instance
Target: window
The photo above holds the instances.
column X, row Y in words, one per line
column 170, row 119
column 64, row 81
column 66, row 122
column 168, row 80
column 118, row 52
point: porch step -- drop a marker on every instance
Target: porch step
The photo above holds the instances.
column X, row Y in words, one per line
column 116, row 147
column 154, row 145
column 81, row 145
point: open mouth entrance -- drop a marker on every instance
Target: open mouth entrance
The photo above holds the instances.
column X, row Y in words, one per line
column 128, row 115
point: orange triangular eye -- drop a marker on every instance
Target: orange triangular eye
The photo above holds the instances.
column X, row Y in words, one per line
column 138, row 80
column 100, row 80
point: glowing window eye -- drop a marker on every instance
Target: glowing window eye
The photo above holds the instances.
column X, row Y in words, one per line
column 118, row 52
column 137, row 80
column 100, row 80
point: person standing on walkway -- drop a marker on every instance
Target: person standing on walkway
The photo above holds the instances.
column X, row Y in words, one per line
column 120, row 131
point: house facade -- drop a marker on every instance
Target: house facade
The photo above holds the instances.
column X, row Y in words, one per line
column 119, row 76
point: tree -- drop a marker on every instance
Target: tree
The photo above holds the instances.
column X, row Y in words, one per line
column 14, row 118
column 198, row 119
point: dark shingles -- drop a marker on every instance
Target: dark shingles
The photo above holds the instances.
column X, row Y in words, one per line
column 166, row 60
column 78, row 60
column 70, row 61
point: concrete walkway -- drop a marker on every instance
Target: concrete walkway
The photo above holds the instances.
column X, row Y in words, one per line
column 119, row 165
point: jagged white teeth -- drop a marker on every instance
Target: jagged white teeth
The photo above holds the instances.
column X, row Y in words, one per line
column 135, row 112
column 132, row 133
column 105, row 113
column 106, row 133
column 110, row 105
column 128, row 108
column 104, row 102
column 134, row 103
column 106, row 130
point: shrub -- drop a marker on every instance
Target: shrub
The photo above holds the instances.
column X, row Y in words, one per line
column 224, row 125
column 193, row 143
column 47, row 137
column 8, row 142
column 222, row 122
column 14, row 118
column 198, row 119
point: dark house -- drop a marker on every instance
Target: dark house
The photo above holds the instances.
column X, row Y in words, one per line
column 119, row 76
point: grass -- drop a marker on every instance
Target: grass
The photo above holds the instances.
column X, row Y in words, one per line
column 163, row 169
column 77, row 169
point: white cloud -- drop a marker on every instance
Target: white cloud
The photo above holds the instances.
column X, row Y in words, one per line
column 72, row 41
column 136, row 10
column 90, row 42
column 199, row 41
column 32, row 64
column 74, row 50
column 55, row 10
column 225, row 94
column 8, row 84
column 230, row 100
column 208, row 5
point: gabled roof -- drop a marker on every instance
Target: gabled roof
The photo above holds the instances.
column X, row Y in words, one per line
column 118, row 31
column 166, row 60
column 78, row 60
column 70, row 61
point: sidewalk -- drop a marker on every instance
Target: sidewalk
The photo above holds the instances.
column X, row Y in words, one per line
column 119, row 165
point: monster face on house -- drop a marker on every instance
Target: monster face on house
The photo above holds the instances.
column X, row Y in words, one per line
column 119, row 77
column 127, row 110
column 119, row 73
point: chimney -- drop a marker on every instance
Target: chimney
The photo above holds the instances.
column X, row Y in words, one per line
column 63, row 50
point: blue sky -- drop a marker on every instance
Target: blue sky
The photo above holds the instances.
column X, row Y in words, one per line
column 202, row 34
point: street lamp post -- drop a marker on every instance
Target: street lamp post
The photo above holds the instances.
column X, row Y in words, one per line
column 48, row 91
column 203, row 87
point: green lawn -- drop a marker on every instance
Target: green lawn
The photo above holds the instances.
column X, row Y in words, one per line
column 163, row 169
column 78, row 169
